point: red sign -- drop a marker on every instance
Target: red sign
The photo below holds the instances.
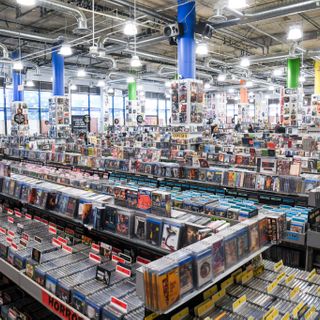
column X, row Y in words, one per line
column 17, row 213
column 28, row 216
column 62, row 241
column 62, row 310
column 115, row 258
column 143, row 261
column 53, row 230
column 126, row 272
column 67, row 248
column 3, row 231
column 56, row 242
column 10, row 211
column 95, row 247
column 10, row 233
column 119, row 304
column 10, row 220
column 94, row 257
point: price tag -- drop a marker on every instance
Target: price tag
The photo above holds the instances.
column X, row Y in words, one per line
column 210, row 292
column 318, row 291
column 28, row 216
column 272, row 286
column 94, row 257
column 278, row 266
column 294, row 292
column 10, row 211
column 219, row 295
column 236, row 273
column 95, row 247
column 181, row 315
column 67, row 248
column 142, row 260
column 10, row 220
column 281, row 276
column 52, row 230
column 119, row 304
column 11, row 233
column 3, row 231
column 297, row 309
column 62, row 240
column 115, row 258
column 123, row 270
column 247, row 277
column 290, row 279
column 237, row 304
column 310, row 313
column 226, row 284
column 17, row 213
column 203, row 308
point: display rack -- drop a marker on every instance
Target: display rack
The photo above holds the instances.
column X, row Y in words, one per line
column 51, row 302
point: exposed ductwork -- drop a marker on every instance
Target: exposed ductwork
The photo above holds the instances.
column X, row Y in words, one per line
column 5, row 51
column 28, row 36
column 244, row 18
column 108, row 58
column 71, row 10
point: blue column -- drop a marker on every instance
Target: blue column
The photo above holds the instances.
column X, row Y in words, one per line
column 58, row 72
column 17, row 80
column 186, row 42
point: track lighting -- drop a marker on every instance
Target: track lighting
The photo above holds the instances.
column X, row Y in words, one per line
column 18, row 66
column 135, row 62
column 130, row 28
column 249, row 84
column 65, row 50
column 295, row 33
column 302, row 78
column 26, row 2
column 231, row 90
column 245, row 62
column 81, row 73
column 271, row 88
column 202, row 49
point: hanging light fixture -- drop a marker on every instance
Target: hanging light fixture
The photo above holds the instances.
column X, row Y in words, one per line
column 101, row 83
column 202, row 49
column 249, row 84
column 231, row 90
column 130, row 28
column 140, row 87
column 168, row 84
column 18, row 66
column 278, row 72
column 222, row 77
column 130, row 80
column 73, row 87
column 271, row 88
column 295, row 33
column 65, row 50
column 26, row 2
column 302, row 78
column 207, row 86
column 135, row 62
column 29, row 83
column 81, row 73
column 245, row 62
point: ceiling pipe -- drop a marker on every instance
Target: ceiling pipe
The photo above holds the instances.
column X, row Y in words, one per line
column 108, row 58
column 244, row 18
column 5, row 51
column 28, row 36
column 68, row 9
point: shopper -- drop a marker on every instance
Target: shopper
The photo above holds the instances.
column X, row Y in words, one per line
column 83, row 136
column 237, row 127
column 250, row 128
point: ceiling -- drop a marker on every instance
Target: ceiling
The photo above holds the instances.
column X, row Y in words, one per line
column 261, row 36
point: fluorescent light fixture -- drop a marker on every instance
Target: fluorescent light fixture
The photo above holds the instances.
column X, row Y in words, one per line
column 65, row 50
column 168, row 84
column 135, row 62
column 245, row 62
column 130, row 28
column 222, row 77
column 18, row 66
column 101, row 83
column 130, row 80
column 81, row 73
column 295, row 33
column 73, row 87
column 231, row 90
column 249, row 84
column 278, row 72
column 302, row 78
column 237, row 4
column 26, row 2
column 29, row 83
column 207, row 86
column 202, row 49
column 271, row 88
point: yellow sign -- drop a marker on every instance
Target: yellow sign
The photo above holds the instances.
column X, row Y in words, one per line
column 219, row 295
column 312, row 274
column 272, row 286
column 178, row 135
column 317, row 77
column 226, row 284
column 281, row 276
column 318, row 291
column 278, row 266
column 210, row 292
column 259, row 271
column 271, row 314
column 247, row 277
column 238, row 303
column 235, row 274
column 294, row 292
column 290, row 278
column 202, row 308
column 286, row 316
column 297, row 309
column 181, row 315
column 310, row 313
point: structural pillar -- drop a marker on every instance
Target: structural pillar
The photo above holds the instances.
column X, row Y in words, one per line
column 58, row 73
column 186, row 42
column 17, row 81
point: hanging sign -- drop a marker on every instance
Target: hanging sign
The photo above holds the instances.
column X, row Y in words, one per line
column 19, row 118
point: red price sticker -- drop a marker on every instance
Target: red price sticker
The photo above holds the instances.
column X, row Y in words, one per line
column 119, row 304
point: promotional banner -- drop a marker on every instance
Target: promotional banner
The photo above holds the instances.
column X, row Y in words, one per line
column 243, row 92
column 317, row 77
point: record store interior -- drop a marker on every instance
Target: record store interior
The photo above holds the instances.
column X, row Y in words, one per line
column 160, row 159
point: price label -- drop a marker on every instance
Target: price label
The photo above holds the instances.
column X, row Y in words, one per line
column 179, row 135
column 203, row 308
column 312, row 274
column 294, row 292
column 278, row 266
column 258, row 271
column 237, row 304
column 272, row 286
column 297, row 309
column 210, row 292
column 226, row 284
column 290, row 279
column 310, row 313
column 180, row 315
column 281, row 276
column 247, row 277
column 119, row 304
column 286, row 316
column 271, row 314
column 218, row 295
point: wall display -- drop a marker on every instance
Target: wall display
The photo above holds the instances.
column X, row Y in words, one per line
column 20, row 119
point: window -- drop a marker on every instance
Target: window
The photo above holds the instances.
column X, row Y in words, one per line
column 118, row 109
column 163, row 117
column 79, row 104
column 95, row 113
column 31, row 98
column 44, row 103
column 151, row 117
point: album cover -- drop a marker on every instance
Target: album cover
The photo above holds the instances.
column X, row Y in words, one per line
column 140, row 227
column 72, row 207
column 154, row 231
column 52, row 200
column 217, row 257
column 231, row 251
column 260, row 182
column 186, row 275
column 85, row 212
column 203, row 265
column 132, row 198
column 145, row 199
column 171, row 236
column 109, row 219
column 120, row 195
column 124, row 223
column 269, row 181
column 161, row 203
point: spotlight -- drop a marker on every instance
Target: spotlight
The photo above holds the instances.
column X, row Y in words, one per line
column 295, row 33
column 237, row 4
column 18, row 66
column 222, row 77
column 73, row 87
column 245, row 62
column 130, row 28
column 135, row 62
column 202, row 49
column 110, row 91
column 81, row 73
column 26, row 2
column 130, row 80
column 101, row 83
column 278, row 72
column 65, row 50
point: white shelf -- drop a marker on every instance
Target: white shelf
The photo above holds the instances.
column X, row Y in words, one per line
column 50, row 301
column 194, row 293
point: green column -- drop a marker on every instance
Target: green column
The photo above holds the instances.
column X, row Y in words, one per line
column 293, row 73
column 132, row 91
